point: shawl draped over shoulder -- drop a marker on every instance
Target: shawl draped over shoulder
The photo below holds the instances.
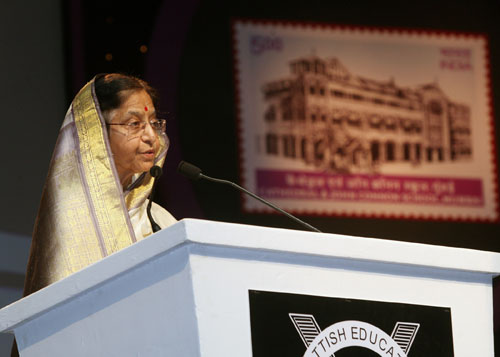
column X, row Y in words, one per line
column 84, row 212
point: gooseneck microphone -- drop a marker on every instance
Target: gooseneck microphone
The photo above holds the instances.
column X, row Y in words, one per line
column 155, row 172
column 194, row 173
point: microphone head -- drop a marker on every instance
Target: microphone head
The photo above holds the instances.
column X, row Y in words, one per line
column 190, row 171
column 155, row 171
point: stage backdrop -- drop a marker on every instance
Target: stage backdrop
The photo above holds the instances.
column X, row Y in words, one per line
column 367, row 122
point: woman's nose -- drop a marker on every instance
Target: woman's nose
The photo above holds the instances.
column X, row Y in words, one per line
column 149, row 132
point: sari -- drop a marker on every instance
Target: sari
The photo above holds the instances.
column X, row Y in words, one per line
column 84, row 211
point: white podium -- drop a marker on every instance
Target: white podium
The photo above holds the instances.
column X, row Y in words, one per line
column 185, row 291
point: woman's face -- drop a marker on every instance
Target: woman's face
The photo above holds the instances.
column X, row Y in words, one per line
column 133, row 153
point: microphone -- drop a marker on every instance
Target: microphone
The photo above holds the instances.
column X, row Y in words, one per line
column 155, row 172
column 194, row 173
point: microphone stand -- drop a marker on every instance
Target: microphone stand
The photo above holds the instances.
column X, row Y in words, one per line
column 155, row 172
column 194, row 173
column 301, row 222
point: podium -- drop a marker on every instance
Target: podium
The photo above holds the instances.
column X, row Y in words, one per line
column 204, row 288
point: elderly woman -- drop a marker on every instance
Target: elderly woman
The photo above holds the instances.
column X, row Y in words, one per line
column 96, row 193
column 95, row 197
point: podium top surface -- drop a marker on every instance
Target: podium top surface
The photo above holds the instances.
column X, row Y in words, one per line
column 192, row 233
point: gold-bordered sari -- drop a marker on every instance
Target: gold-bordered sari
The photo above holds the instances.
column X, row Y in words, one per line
column 83, row 215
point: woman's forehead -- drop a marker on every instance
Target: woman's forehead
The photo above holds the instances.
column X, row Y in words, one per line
column 137, row 98
column 146, row 112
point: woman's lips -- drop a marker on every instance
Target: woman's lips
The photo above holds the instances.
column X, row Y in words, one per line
column 148, row 154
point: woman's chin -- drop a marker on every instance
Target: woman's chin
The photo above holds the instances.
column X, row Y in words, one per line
column 147, row 166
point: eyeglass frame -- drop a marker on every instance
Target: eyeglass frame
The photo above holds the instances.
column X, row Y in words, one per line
column 142, row 127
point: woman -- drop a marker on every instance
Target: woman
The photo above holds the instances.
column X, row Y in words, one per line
column 95, row 196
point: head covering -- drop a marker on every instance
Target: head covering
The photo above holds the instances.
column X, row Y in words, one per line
column 83, row 215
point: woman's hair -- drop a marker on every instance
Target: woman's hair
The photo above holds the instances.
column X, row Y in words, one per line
column 110, row 88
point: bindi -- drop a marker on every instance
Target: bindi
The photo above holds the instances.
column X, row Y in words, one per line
column 146, row 109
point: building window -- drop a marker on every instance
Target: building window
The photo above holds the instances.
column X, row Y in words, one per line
column 320, row 68
column 440, row 154
column 418, row 151
column 429, row 154
column 286, row 109
column 435, row 107
column 336, row 120
column 289, row 145
column 390, row 151
column 270, row 114
column 272, row 144
column 303, row 148
column 319, row 150
column 338, row 93
column 406, row 152
column 375, row 150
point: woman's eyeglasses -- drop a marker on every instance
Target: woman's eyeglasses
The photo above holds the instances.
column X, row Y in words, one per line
column 135, row 128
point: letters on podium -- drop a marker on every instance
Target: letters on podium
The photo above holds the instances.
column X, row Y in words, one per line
column 285, row 324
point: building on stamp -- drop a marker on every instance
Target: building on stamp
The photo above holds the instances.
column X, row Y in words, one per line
column 339, row 122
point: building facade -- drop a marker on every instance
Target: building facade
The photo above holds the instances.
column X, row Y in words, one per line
column 336, row 121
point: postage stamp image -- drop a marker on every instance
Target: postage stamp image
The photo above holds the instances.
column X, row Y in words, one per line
column 370, row 122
